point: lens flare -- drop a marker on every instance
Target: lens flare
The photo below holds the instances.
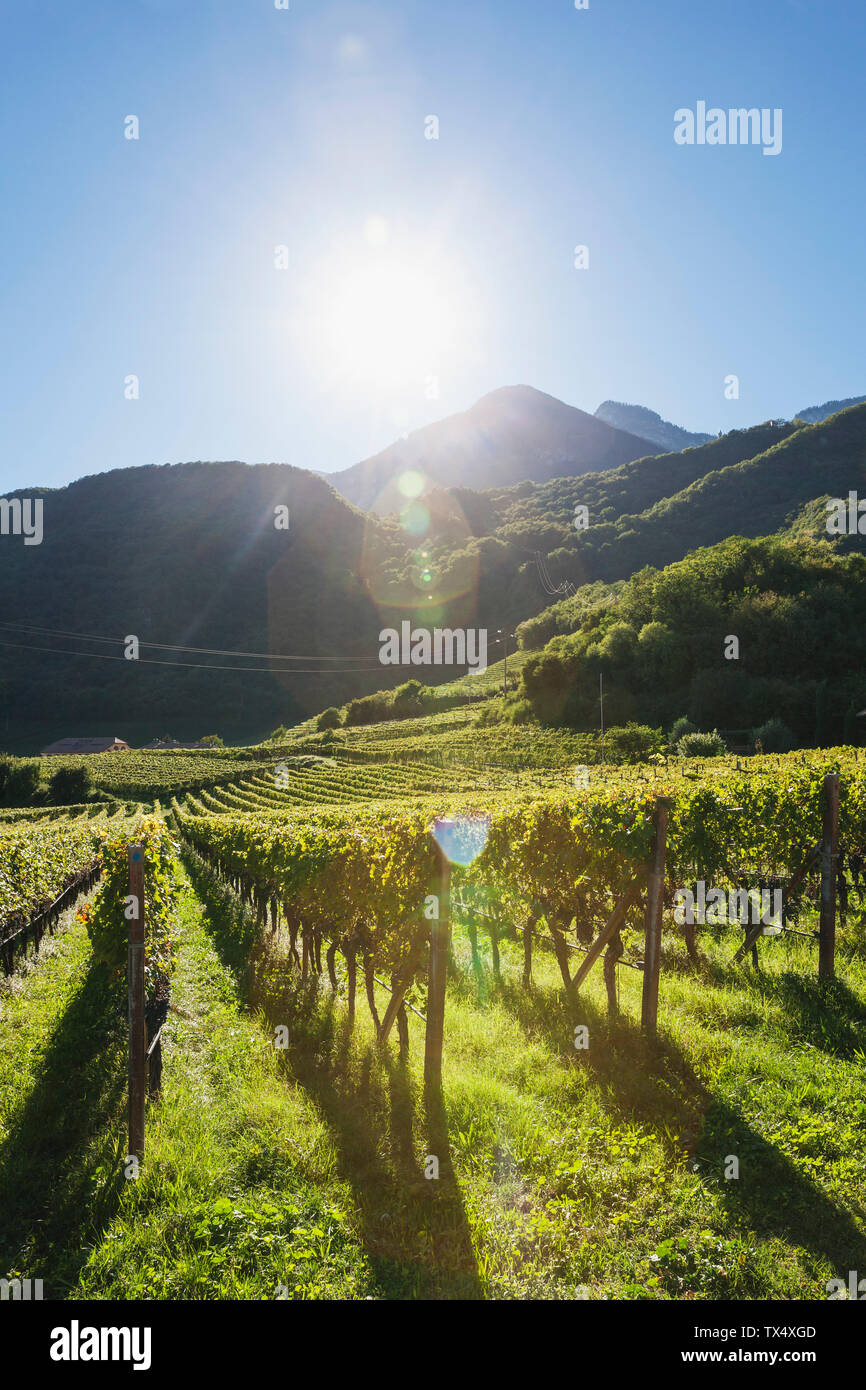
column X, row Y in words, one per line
column 432, row 524
column 461, row 838
column 411, row 484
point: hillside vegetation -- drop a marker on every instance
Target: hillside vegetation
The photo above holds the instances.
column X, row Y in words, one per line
column 796, row 608
column 262, row 626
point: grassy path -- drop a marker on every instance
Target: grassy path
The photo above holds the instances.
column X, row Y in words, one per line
column 237, row 1195
column 561, row 1173
column 61, row 1094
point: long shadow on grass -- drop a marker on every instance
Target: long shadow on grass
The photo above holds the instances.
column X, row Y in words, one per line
column 826, row 1014
column 415, row 1230
column 652, row 1083
column 52, row 1199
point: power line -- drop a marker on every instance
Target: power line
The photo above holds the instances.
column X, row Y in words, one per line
column 350, row 666
column 192, row 665
column 554, row 590
column 167, row 646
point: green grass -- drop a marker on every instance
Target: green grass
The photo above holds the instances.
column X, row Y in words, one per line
column 62, row 1076
column 237, row 1193
column 562, row 1173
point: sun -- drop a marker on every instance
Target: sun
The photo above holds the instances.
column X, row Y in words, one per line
column 385, row 319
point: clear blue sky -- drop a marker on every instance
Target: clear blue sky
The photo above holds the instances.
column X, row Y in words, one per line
column 305, row 127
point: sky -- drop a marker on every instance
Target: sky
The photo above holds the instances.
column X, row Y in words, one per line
column 284, row 267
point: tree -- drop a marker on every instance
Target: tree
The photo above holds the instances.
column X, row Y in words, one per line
column 329, row 719
column 774, row 736
column 633, row 743
column 619, row 644
column 659, row 654
column 409, row 699
column 19, row 782
column 69, row 786
column 680, row 728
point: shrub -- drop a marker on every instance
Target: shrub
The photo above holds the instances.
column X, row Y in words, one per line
column 632, row 743
column 681, row 727
column 491, row 713
column 70, row 786
column 408, row 700
column 329, row 719
column 520, row 712
column 370, row 709
column 774, row 736
column 699, row 745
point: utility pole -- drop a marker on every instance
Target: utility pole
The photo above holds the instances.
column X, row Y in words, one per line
column 504, row 636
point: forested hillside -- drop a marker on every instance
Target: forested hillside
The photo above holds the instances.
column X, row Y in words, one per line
column 796, row 608
column 193, row 561
column 190, row 556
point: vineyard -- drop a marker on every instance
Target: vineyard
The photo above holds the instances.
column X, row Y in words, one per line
column 359, row 880
column 138, row 776
column 297, row 901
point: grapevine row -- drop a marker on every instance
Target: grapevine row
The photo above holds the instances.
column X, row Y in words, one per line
column 357, row 882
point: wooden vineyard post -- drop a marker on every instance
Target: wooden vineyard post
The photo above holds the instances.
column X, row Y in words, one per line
column 440, row 930
column 135, row 979
column 653, row 917
column 829, row 861
column 611, row 956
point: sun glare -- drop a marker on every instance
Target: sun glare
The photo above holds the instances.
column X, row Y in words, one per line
column 386, row 321
column 385, row 318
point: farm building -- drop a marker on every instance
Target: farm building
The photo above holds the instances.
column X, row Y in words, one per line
column 85, row 745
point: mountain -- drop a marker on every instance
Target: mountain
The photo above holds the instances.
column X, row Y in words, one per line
column 187, row 559
column 188, row 555
column 638, row 419
column 632, row 488
column 778, row 489
column 510, row 528
column 509, row 436
column 813, row 414
column 754, row 498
